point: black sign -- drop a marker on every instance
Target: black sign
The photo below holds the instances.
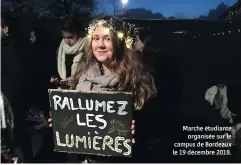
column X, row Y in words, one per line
column 92, row 123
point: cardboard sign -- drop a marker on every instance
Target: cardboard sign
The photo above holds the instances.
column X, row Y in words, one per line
column 92, row 123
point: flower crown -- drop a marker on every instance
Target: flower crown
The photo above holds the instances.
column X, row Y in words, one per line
column 122, row 29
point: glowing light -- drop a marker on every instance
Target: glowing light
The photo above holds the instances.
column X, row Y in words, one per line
column 129, row 42
column 124, row 2
column 120, row 35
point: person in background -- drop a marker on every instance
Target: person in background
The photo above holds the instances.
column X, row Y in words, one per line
column 9, row 64
column 12, row 83
column 36, row 72
column 4, row 29
column 146, row 51
column 36, row 57
column 108, row 65
column 70, row 50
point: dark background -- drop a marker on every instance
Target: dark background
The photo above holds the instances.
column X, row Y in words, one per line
column 188, row 64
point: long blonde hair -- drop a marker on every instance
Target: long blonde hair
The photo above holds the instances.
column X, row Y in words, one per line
column 123, row 65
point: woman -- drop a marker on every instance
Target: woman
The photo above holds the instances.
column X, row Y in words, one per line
column 108, row 65
column 146, row 49
column 70, row 50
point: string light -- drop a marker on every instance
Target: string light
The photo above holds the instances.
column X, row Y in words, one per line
column 129, row 42
column 120, row 35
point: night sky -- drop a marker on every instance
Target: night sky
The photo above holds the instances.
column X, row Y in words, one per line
column 178, row 8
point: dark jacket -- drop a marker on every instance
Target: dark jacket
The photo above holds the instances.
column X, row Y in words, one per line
column 36, row 72
column 13, row 85
column 10, row 72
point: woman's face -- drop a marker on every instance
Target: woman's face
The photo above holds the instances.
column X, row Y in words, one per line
column 102, row 44
column 139, row 45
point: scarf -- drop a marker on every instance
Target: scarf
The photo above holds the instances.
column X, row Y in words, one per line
column 76, row 51
column 6, row 114
column 2, row 113
column 94, row 81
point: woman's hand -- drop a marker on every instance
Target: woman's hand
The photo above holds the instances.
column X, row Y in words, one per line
column 54, row 80
column 68, row 81
column 50, row 122
column 14, row 160
column 133, row 130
